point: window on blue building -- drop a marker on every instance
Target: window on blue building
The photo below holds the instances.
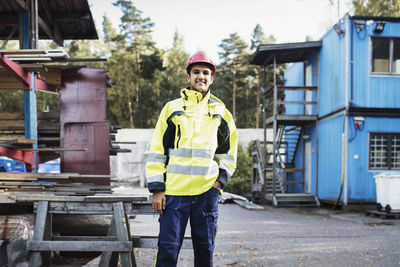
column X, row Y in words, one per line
column 386, row 55
column 384, row 151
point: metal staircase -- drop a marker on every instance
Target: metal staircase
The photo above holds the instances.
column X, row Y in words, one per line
column 273, row 162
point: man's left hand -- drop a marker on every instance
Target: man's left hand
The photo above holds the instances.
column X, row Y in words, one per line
column 217, row 185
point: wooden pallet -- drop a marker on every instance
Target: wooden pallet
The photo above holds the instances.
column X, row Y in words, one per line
column 382, row 214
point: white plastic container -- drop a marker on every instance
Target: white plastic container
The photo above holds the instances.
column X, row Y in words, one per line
column 388, row 190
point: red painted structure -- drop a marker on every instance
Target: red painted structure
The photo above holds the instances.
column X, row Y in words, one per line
column 83, row 123
column 23, row 76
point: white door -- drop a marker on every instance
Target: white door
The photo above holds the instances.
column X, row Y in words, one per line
column 308, row 82
column 307, row 166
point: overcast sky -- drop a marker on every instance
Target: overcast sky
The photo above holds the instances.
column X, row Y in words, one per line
column 203, row 24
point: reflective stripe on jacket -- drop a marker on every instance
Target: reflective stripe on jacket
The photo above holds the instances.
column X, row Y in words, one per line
column 194, row 144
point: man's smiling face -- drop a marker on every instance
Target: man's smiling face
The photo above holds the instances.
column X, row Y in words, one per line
column 200, row 78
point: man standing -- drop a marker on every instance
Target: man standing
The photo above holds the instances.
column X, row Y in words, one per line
column 192, row 156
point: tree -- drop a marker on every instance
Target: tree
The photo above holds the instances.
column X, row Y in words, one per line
column 168, row 81
column 259, row 38
column 234, row 61
column 388, row 8
column 133, row 53
column 174, row 74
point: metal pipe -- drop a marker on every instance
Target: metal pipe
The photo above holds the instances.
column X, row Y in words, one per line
column 274, row 164
column 316, row 132
column 346, row 116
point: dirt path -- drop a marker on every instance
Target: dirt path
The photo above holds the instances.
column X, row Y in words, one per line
column 290, row 237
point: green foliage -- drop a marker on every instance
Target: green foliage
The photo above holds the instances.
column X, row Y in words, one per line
column 11, row 101
column 239, row 183
column 148, row 77
column 388, row 8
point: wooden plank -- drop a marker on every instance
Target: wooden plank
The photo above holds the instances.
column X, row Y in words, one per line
column 122, row 233
column 22, row 51
column 120, row 246
column 45, row 197
column 137, row 241
column 109, row 237
column 16, row 141
column 11, row 123
column 34, row 176
column 52, row 76
column 108, row 258
column 32, row 67
column 48, row 232
column 11, row 116
column 55, row 149
column 38, row 232
column 69, row 207
column 10, row 137
column 115, row 198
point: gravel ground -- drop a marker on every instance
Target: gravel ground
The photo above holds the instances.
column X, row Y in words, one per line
column 290, row 237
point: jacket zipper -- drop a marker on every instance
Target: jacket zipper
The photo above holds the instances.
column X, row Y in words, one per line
column 179, row 136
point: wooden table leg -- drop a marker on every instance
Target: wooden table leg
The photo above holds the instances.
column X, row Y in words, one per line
column 122, row 233
column 38, row 233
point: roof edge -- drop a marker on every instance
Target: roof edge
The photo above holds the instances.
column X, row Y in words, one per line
column 376, row 18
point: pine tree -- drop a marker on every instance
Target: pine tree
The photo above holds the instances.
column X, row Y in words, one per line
column 234, row 62
column 132, row 54
column 259, row 38
column 387, row 8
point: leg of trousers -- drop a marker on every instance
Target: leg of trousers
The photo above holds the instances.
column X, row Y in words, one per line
column 203, row 213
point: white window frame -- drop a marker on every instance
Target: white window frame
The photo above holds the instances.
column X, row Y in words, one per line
column 391, row 150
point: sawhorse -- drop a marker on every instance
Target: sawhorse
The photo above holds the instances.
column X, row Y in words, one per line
column 116, row 244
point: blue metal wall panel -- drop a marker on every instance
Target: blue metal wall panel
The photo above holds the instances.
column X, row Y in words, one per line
column 294, row 76
column 296, row 176
column 330, row 157
column 361, row 184
column 372, row 90
column 332, row 72
column 309, row 131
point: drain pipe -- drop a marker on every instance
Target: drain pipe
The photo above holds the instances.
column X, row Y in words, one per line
column 346, row 115
column 344, row 157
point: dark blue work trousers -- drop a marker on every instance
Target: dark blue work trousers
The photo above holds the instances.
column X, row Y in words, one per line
column 203, row 212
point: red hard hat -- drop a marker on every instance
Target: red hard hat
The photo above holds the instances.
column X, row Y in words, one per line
column 200, row 57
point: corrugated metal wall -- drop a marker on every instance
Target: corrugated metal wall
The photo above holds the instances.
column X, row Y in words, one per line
column 330, row 157
column 361, row 182
column 372, row 90
column 332, row 73
column 309, row 134
column 294, row 76
column 366, row 90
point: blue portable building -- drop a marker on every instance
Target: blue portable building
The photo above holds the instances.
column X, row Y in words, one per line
column 355, row 68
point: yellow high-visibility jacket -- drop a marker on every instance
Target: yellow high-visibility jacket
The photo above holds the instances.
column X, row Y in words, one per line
column 194, row 144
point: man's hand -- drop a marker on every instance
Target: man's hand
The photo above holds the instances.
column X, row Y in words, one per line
column 217, row 185
column 158, row 202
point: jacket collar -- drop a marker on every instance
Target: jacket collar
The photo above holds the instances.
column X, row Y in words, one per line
column 194, row 97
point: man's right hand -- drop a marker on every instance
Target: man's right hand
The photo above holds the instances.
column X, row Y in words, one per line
column 158, row 202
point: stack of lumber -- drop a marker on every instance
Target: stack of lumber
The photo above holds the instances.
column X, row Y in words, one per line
column 16, row 227
column 35, row 55
column 36, row 186
column 12, row 130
